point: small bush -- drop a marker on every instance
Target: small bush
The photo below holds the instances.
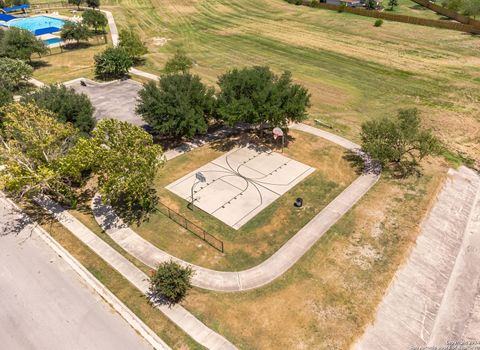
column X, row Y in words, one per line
column 342, row 7
column 298, row 2
column 314, row 3
column 170, row 282
column 114, row 62
column 378, row 23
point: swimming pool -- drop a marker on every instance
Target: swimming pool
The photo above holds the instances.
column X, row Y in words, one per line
column 35, row 23
column 52, row 41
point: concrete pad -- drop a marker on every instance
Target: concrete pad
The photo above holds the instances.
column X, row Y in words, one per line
column 241, row 183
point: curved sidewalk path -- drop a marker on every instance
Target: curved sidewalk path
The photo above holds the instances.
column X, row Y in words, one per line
column 176, row 313
column 267, row 271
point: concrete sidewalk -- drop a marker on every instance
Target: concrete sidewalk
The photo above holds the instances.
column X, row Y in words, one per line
column 177, row 314
column 270, row 269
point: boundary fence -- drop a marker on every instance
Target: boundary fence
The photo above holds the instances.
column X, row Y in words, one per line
column 49, row 5
column 468, row 28
column 448, row 13
column 190, row 226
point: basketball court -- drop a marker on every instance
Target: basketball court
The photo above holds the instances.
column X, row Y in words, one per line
column 241, row 183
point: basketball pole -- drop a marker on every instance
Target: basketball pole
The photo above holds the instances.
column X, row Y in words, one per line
column 194, row 183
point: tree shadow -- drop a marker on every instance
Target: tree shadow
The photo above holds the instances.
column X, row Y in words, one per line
column 362, row 162
column 37, row 64
column 77, row 46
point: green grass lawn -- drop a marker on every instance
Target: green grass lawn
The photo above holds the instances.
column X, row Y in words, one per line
column 266, row 232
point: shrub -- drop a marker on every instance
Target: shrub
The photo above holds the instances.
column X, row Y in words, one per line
column 314, row 3
column 114, row 62
column 6, row 97
column 179, row 63
column 170, row 282
column 378, row 22
column 66, row 104
column 342, row 7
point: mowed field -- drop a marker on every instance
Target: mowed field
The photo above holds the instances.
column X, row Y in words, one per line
column 354, row 70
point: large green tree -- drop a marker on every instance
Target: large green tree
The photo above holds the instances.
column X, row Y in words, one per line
column 32, row 144
column 94, row 19
column 66, row 104
column 399, row 143
column 126, row 160
column 20, row 44
column 43, row 155
column 75, row 31
column 179, row 105
column 94, row 4
column 132, row 44
column 13, row 72
column 257, row 96
column 114, row 62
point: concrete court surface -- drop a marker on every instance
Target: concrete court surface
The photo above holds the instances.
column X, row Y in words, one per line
column 115, row 99
column 241, row 183
column 44, row 304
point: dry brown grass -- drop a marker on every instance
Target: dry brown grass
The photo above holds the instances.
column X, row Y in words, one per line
column 328, row 298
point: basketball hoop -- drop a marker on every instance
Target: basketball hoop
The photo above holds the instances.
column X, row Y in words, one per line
column 277, row 132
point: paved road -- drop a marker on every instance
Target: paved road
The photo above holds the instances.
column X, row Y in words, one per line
column 435, row 296
column 44, row 304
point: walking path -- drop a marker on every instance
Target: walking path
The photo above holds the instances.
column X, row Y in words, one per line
column 435, row 297
column 176, row 313
column 268, row 270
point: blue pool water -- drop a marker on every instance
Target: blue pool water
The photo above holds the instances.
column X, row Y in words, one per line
column 38, row 22
column 52, row 41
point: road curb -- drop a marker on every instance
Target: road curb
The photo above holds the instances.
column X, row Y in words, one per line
column 138, row 325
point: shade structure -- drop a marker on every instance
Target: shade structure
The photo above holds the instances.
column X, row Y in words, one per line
column 16, row 8
column 48, row 30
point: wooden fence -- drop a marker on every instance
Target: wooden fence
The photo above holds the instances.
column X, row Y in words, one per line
column 448, row 13
column 468, row 28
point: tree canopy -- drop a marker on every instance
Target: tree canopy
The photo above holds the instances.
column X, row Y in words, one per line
column 170, row 282
column 6, row 96
column 43, row 155
column 132, row 44
column 76, row 2
column 32, row 144
column 179, row 63
column 93, row 3
column 126, row 160
column 399, row 143
column 179, row 105
column 94, row 19
column 75, row 31
column 256, row 95
column 114, row 62
column 13, row 72
column 20, row 44
column 66, row 104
